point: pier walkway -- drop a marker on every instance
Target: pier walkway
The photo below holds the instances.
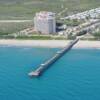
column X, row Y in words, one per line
column 51, row 61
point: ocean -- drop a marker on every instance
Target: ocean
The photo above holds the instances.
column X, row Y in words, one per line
column 76, row 76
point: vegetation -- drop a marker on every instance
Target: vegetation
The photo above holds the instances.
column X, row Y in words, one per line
column 25, row 9
column 97, row 35
column 35, row 37
column 7, row 28
column 71, row 37
column 69, row 22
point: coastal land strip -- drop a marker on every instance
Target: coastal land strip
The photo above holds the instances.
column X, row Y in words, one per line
column 49, row 43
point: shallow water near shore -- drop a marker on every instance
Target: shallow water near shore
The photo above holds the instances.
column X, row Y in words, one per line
column 76, row 76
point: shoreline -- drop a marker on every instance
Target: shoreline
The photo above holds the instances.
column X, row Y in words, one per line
column 49, row 43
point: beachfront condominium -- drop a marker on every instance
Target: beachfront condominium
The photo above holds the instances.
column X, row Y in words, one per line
column 45, row 23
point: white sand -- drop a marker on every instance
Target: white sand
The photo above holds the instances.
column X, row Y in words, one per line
column 50, row 43
column 88, row 44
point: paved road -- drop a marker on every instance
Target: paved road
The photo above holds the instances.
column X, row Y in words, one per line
column 14, row 21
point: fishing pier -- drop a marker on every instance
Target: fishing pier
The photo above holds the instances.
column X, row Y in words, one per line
column 52, row 60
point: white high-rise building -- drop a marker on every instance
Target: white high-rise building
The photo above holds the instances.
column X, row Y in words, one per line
column 45, row 22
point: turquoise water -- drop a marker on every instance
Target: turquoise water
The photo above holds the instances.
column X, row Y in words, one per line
column 76, row 76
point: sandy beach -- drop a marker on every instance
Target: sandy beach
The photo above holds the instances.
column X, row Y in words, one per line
column 50, row 43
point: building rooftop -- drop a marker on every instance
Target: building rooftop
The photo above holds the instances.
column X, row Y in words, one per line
column 45, row 15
